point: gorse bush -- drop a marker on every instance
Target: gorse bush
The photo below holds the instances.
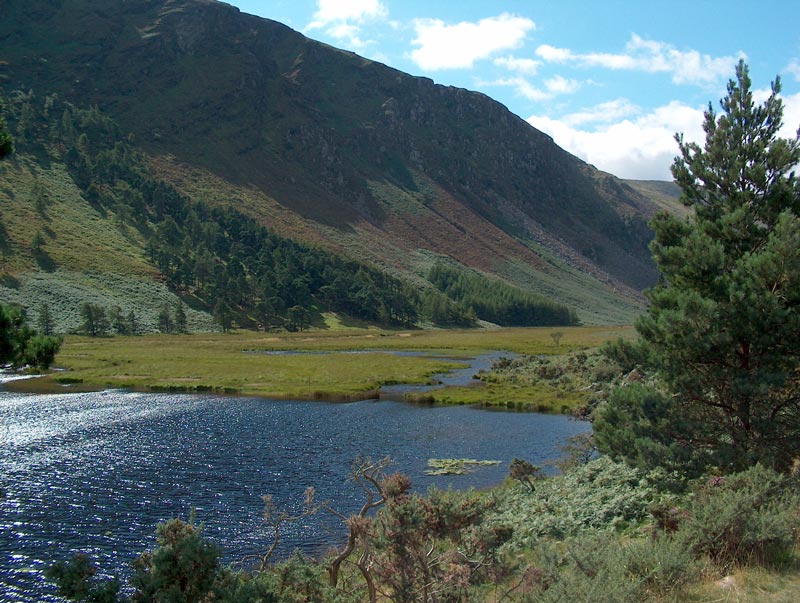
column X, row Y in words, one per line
column 747, row 517
column 184, row 568
column 415, row 549
column 599, row 495
column 601, row 568
column 459, row 547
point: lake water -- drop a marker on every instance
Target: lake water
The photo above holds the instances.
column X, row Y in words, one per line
column 96, row 472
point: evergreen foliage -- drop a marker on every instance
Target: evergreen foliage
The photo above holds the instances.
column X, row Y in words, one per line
column 6, row 141
column 44, row 320
column 180, row 318
column 637, row 424
column 95, row 320
column 165, row 324
column 21, row 345
column 445, row 312
column 494, row 301
column 183, row 569
column 723, row 326
column 747, row 517
column 77, row 581
column 214, row 254
column 218, row 254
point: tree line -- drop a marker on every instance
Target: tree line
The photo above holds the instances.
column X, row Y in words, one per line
column 21, row 345
column 495, row 301
column 239, row 269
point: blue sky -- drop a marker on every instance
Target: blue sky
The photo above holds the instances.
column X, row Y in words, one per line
column 611, row 81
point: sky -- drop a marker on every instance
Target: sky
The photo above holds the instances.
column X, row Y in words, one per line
column 611, row 81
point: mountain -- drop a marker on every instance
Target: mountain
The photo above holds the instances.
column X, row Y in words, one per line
column 665, row 194
column 337, row 151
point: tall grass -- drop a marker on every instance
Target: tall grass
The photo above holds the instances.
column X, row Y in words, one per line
column 245, row 362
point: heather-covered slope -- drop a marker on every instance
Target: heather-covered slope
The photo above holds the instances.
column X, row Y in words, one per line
column 331, row 148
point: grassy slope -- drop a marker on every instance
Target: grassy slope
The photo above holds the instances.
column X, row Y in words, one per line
column 422, row 227
column 311, row 134
column 666, row 195
column 86, row 256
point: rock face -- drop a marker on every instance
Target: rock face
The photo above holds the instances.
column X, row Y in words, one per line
column 359, row 151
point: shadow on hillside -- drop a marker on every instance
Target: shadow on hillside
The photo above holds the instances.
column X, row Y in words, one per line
column 44, row 260
column 6, row 280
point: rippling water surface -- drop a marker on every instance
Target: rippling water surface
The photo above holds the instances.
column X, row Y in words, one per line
column 96, row 472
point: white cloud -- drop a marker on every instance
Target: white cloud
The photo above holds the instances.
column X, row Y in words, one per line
column 524, row 66
column 561, row 85
column 551, row 54
column 521, row 86
column 458, row 46
column 342, row 19
column 686, row 67
column 791, row 116
column 552, row 87
column 791, row 120
column 604, row 113
column 631, row 144
column 791, row 111
column 344, row 30
column 333, row 11
column 640, row 147
column 794, row 68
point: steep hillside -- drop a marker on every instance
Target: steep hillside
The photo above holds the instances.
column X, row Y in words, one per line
column 666, row 195
column 333, row 149
column 83, row 255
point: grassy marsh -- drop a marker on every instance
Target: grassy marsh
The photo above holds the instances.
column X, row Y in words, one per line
column 242, row 363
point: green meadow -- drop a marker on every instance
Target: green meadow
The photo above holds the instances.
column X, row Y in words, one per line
column 323, row 365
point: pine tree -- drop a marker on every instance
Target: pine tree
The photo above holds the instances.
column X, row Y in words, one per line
column 180, row 318
column 45, row 323
column 95, row 321
column 21, row 345
column 723, row 326
column 165, row 324
column 6, row 141
column 133, row 324
column 223, row 315
column 118, row 321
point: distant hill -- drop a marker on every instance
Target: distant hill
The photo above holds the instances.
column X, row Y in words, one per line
column 328, row 148
column 666, row 195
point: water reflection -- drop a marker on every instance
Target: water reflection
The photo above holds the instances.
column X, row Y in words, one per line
column 95, row 472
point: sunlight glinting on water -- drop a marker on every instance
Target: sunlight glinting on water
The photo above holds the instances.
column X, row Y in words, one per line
column 96, row 472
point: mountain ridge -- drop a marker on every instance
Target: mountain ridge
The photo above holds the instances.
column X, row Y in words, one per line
column 339, row 150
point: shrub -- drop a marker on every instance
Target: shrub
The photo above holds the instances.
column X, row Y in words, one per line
column 601, row 495
column 747, row 517
column 598, row 568
column 183, row 568
column 640, row 424
column 41, row 350
column 77, row 581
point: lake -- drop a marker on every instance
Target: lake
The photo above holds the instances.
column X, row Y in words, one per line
column 96, row 472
